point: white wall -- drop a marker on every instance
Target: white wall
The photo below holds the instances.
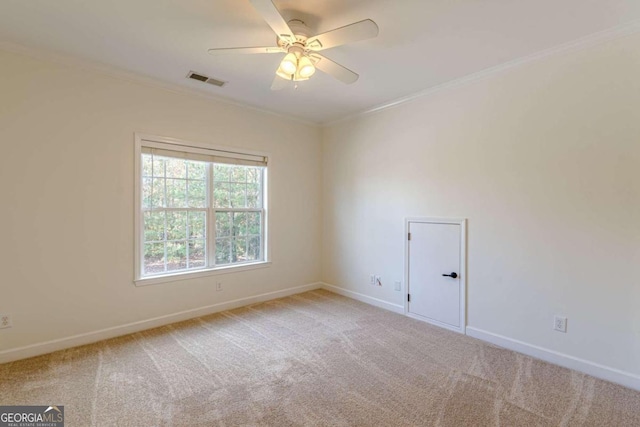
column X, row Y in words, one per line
column 544, row 161
column 66, row 185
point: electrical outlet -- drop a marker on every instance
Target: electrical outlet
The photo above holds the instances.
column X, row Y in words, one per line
column 560, row 323
column 378, row 281
column 372, row 279
column 5, row 321
column 397, row 286
column 219, row 286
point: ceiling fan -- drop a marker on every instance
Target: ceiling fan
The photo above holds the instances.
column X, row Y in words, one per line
column 302, row 58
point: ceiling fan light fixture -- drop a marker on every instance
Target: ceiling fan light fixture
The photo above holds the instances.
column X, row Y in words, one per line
column 305, row 67
column 289, row 64
column 299, row 78
column 284, row 75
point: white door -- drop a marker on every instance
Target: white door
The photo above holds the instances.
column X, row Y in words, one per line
column 435, row 277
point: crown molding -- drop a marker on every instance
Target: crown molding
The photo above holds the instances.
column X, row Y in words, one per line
column 115, row 72
column 121, row 74
column 572, row 46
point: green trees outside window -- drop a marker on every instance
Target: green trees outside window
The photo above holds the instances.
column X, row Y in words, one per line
column 198, row 214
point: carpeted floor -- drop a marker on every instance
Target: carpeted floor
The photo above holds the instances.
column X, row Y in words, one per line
column 312, row 359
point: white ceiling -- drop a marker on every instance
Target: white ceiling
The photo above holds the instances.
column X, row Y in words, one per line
column 421, row 44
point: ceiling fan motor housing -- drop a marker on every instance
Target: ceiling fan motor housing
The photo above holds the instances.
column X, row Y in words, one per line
column 300, row 29
column 301, row 32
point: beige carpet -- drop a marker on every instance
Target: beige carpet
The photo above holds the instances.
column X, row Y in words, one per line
column 312, row 359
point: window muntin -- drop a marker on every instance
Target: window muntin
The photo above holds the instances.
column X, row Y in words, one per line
column 199, row 214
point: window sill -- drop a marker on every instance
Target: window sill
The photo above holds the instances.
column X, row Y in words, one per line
column 154, row 280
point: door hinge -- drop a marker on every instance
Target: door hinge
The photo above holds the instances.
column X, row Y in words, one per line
column 408, row 297
column 409, row 236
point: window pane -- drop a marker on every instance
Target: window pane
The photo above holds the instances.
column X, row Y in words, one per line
column 221, row 195
column 223, row 224
column 253, row 196
column 157, row 193
column 254, row 175
column 176, row 168
column 196, row 253
column 221, row 172
column 239, row 223
column 176, row 225
column 146, row 193
column 239, row 174
column 196, row 170
column 176, row 193
column 158, row 166
column 237, row 192
column 153, row 226
column 223, row 251
column 153, row 258
column 239, row 250
column 197, row 221
column 176, row 256
column 147, row 164
column 253, row 248
column 197, row 194
column 253, row 223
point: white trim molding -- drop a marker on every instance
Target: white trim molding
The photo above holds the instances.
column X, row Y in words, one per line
column 462, row 222
column 571, row 46
column 119, row 73
column 396, row 308
column 187, row 275
column 131, row 76
column 603, row 372
column 90, row 337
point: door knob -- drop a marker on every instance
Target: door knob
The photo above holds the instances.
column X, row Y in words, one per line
column 453, row 275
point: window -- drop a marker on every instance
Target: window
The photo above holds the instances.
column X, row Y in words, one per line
column 198, row 209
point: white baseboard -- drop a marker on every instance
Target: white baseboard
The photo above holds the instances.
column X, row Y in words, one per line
column 396, row 308
column 116, row 331
column 606, row 373
column 617, row 376
column 434, row 322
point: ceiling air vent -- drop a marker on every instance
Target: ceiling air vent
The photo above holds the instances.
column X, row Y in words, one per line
column 205, row 79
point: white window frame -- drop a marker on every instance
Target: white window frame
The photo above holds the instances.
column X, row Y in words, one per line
column 146, row 140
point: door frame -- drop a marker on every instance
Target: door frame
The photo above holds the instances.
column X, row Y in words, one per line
column 462, row 222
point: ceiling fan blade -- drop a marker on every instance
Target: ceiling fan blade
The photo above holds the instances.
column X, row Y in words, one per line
column 227, row 50
column 334, row 69
column 272, row 16
column 279, row 83
column 350, row 33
